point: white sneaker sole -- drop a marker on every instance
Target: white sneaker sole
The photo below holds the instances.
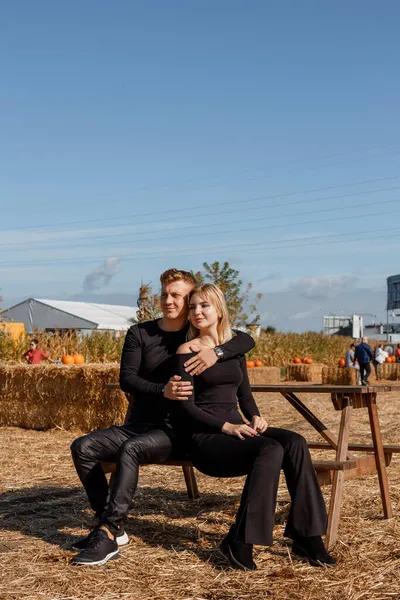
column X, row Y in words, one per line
column 98, row 563
column 122, row 540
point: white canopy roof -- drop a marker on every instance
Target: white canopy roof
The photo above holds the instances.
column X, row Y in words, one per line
column 104, row 316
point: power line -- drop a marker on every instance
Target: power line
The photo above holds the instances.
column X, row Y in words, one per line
column 295, row 162
column 257, row 169
column 214, row 249
column 213, row 204
column 264, row 228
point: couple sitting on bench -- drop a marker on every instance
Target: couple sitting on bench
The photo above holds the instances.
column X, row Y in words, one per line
column 197, row 410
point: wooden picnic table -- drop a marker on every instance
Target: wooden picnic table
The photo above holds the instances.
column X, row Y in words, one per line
column 345, row 399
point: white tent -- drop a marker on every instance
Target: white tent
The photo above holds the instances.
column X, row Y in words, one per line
column 37, row 313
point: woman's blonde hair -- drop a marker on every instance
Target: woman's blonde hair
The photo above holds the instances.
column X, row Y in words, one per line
column 213, row 294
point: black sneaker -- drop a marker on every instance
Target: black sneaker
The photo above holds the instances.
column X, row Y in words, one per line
column 121, row 538
column 98, row 551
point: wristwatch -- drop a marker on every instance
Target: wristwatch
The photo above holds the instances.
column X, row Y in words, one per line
column 219, row 352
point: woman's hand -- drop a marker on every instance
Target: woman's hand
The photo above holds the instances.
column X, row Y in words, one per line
column 239, row 430
column 259, row 424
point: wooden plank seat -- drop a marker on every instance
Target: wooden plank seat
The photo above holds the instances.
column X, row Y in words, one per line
column 362, row 465
column 323, row 468
column 188, row 473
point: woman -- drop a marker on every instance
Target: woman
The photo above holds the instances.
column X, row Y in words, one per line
column 380, row 357
column 221, row 444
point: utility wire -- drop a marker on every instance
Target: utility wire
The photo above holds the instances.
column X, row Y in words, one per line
column 72, row 245
column 286, row 175
column 213, row 204
column 213, row 249
column 278, row 205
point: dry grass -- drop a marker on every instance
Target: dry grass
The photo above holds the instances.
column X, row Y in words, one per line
column 69, row 397
column 339, row 376
column 311, row 373
column 100, row 346
column 389, row 371
column 172, row 550
column 279, row 349
column 264, row 375
column 274, row 349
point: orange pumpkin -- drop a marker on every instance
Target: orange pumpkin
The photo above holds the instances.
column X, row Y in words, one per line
column 393, row 359
column 304, row 361
column 258, row 363
column 250, row 364
column 67, row 359
column 341, row 362
column 308, row 361
column 79, row 359
column 297, row 360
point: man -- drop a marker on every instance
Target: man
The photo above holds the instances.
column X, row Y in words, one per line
column 349, row 358
column 364, row 355
column 147, row 436
column 35, row 354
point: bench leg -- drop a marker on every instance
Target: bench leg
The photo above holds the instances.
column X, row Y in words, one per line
column 379, row 456
column 191, row 483
column 338, row 476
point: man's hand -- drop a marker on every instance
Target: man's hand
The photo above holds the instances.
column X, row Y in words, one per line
column 259, row 424
column 239, row 430
column 177, row 389
column 204, row 359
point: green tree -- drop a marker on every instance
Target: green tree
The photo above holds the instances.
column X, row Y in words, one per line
column 237, row 295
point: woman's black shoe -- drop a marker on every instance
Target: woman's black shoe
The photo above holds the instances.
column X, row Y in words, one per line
column 313, row 550
column 239, row 554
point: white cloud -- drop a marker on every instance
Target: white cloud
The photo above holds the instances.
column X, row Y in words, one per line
column 102, row 275
column 322, row 288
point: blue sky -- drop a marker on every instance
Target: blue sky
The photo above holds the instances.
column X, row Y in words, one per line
column 168, row 133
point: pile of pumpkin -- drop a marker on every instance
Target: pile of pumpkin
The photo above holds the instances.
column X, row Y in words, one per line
column 391, row 359
column 253, row 363
column 73, row 359
column 305, row 361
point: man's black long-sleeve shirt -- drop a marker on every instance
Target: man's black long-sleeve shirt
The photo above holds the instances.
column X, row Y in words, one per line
column 147, row 364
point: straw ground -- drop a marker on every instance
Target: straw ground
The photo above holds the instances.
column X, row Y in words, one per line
column 172, row 551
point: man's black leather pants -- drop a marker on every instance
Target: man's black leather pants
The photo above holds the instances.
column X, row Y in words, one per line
column 129, row 446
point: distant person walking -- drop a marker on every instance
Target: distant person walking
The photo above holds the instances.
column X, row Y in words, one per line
column 380, row 357
column 363, row 354
column 35, row 354
column 350, row 360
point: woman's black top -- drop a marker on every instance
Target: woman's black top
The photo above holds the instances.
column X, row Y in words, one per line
column 218, row 393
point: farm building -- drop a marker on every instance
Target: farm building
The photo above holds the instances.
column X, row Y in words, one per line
column 51, row 315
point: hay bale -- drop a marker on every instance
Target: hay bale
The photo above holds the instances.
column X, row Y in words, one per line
column 389, row 371
column 339, row 376
column 69, row 397
column 311, row 373
column 264, row 375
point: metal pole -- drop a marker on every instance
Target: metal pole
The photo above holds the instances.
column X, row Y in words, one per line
column 387, row 325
